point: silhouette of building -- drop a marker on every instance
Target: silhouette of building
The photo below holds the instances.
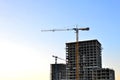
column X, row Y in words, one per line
column 58, row 71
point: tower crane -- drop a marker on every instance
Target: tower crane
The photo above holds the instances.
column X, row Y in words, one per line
column 56, row 57
column 56, row 71
column 77, row 44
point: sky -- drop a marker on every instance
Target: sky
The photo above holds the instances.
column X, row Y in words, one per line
column 26, row 52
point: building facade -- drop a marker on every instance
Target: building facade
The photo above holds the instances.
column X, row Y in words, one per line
column 58, row 71
column 89, row 59
column 103, row 74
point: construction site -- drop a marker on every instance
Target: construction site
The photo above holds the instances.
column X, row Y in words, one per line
column 83, row 61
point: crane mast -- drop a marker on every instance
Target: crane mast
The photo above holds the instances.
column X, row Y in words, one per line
column 77, row 45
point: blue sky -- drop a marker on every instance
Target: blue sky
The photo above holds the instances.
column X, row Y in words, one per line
column 26, row 52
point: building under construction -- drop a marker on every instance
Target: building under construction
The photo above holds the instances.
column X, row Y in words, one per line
column 58, row 71
column 103, row 74
column 90, row 62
